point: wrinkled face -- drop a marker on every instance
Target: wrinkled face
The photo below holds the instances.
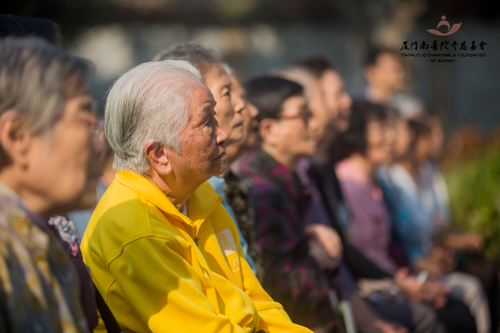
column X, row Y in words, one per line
column 296, row 136
column 378, row 147
column 337, row 100
column 63, row 164
column 249, row 113
column 202, row 141
column 221, row 87
column 388, row 72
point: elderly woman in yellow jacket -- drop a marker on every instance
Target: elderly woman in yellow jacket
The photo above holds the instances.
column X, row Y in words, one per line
column 163, row 251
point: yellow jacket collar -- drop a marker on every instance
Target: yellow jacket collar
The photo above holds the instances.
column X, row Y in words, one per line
column 201, row 204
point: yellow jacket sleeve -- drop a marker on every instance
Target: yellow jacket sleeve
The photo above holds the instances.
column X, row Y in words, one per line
column 164, row 290
column 272, row 316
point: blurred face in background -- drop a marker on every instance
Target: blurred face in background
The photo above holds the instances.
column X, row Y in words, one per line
column 337, row 100
column 315, row 101
column 228, row 112
column 421, row 150
column 390, row 139
column 387, row 73
column 63, row 165
column 293, row 134
column 402, row 138
column 378, row 142
column 437, row 137
column 249, row 113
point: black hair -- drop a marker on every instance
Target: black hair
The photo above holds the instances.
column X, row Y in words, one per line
column 201, row 57
column 354, row 139
column 374, row 53
column 268, row 93
column 316, row 65
column 18, row 26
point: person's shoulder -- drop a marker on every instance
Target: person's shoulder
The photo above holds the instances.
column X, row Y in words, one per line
column 264, row 193
column 120, row 216
column 121, row 205
column 258, row 183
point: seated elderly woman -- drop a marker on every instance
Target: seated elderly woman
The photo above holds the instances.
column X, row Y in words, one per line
column 47, row 165
column 163, row 251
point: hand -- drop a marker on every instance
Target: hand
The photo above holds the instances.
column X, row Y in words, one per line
column 409, row 285
column 473, row 242
column 465, row 241
column 319, row 253
column 386, row 327
column 435, row 293
column 328, row 237
column 444, row 258
column 428, row 264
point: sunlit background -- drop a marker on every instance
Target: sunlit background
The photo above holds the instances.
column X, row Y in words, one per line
column 255, row 36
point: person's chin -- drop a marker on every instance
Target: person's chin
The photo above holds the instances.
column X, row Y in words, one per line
column 222, row 162
column 236, row 136
column 308, row 151
column 342, row 126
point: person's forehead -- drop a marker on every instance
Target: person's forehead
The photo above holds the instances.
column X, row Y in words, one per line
column 388, row 59
column 331, row 78
column 294, row 104
column 217, row 73
column 302, row 77
column 237, row 87
column 201, row 98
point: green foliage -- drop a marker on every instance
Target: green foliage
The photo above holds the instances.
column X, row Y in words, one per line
column 474, row 187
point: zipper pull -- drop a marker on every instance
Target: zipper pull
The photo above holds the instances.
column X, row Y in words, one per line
column 196, row 240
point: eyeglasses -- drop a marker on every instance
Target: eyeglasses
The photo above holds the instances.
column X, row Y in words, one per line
column 305, row 114
column 95, row 127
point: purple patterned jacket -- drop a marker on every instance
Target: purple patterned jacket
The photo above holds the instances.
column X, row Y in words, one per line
column 291, row 276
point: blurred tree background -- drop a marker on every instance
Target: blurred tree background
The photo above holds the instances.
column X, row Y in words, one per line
column 472, row 169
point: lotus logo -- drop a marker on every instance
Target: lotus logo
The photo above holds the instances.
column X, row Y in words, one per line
column 451, row 29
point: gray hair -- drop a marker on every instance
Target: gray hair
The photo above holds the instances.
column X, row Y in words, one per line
column 202, row 58
column 36, row 80
column 229, row 70
column 150, row 101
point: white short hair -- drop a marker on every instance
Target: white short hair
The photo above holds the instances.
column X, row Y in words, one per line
column 150, row 101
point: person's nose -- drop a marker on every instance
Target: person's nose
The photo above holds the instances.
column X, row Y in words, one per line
column 346, row 100
column 252, row 110
column 222, row 135
column 238, row 102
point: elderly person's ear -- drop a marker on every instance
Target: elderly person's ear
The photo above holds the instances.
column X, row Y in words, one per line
column 158, row 157
column 13, row 140
column 267, row 130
